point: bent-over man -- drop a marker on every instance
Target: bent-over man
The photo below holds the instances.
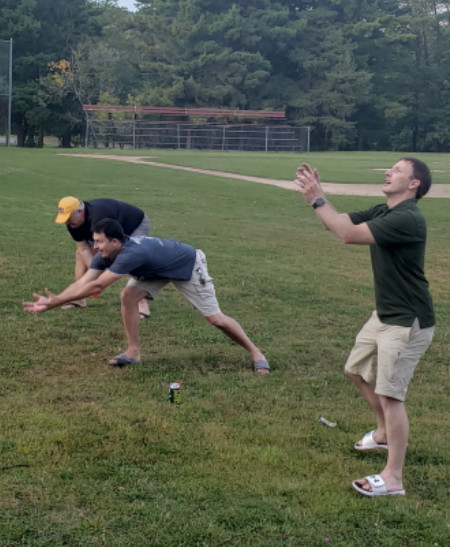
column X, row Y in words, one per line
column 80, row 217
column 389, row 346
column 152, row 263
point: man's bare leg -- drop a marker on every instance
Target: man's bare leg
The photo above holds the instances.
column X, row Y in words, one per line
column 397, row 426
column 144, row 311
column 234, row 331
column 373, row 400
column 129, row 299
column 83, row 260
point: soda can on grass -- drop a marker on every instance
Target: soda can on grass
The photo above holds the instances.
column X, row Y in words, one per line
column 175, row 393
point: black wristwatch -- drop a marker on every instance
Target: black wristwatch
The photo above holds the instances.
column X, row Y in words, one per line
column 318, row 203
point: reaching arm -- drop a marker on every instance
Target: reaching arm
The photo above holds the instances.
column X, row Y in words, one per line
column 308, row 184
column 93, row 281
column 342, row 226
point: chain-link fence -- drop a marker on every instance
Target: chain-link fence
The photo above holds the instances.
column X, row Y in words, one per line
column 207, row 136
column 5, row 91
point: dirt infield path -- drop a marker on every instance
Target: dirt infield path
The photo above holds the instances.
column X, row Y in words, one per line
column 331, row 188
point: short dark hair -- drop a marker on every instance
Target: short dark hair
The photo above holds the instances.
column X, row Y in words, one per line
column 111, row 228
column 420, row 172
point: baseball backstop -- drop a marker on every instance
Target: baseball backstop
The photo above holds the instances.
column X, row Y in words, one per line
column 133, row 128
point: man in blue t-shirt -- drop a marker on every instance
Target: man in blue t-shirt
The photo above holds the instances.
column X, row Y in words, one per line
column 152, row 264
column 79, row 218
column 389, row 346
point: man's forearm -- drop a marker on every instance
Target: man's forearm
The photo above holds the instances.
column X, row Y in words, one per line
column 323, row 222
column 339, row 224
column 76, row 291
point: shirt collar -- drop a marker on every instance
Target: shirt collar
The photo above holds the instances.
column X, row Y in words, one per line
column 405, row 205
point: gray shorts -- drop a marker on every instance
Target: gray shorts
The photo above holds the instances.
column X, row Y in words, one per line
column 199, row 290
column 386, row 355
column 143, row 229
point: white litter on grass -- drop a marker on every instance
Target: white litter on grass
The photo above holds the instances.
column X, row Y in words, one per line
column 323, row 421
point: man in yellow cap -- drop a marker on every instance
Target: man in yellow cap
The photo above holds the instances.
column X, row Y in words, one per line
column 80, row 217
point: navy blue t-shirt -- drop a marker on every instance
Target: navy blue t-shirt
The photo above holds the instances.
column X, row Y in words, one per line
column 150, row 258
column 128, row 216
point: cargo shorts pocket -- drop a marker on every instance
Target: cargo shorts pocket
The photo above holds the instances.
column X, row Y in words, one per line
column 203, row 283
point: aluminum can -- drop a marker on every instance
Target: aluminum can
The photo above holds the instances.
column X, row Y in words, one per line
column 175, row 393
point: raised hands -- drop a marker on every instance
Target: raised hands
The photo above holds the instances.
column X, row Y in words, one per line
column 42, row 304
column 308, row 183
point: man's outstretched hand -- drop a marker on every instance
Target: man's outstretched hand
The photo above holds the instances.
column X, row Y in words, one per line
column 42, row 304
column 308, row 183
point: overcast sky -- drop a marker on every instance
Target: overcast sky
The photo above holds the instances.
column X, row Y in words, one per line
column 129, row 4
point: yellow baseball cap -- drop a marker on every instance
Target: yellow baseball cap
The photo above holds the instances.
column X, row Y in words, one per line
column 65, row 208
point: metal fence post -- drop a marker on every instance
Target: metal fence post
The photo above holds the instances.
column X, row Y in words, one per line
column 309, row 142
column 178, row 136
column 267, row 138
column 223, row 138
column 8, row 136
column 87, row 130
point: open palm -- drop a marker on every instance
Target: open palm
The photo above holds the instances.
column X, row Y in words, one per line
column 42, row 304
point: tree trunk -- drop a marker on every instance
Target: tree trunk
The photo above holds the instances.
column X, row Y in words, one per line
column 360, row 143
column 21, row 134
column 41, row 138
column 414, row 136
column 64, row 140
column 30, row 142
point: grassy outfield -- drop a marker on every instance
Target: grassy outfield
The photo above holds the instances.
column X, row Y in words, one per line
column 97, row 456
column 350, row 167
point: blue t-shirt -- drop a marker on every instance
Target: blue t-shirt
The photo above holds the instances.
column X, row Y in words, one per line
column 150, row 258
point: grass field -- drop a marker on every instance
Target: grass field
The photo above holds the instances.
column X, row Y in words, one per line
column 96, row 456
column 350, row 167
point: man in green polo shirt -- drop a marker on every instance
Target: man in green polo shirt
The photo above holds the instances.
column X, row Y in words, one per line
column 390, row 344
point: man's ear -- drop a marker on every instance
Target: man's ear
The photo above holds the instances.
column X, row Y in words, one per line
column 414, row 184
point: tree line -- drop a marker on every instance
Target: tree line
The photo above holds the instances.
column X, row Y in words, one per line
column 363, row 74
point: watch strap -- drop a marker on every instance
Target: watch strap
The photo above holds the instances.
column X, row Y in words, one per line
column 318, row 203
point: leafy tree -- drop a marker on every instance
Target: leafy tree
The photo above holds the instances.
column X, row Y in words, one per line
column 44, row 31
column 202, row 53
column 403, row 50
column 251, row 55
column 363, row 73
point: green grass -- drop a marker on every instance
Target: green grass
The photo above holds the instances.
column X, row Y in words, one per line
column 349, row 167
column 96, row 456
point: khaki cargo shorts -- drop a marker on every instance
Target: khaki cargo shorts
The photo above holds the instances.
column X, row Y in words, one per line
column 199, row 290
column 386, row 355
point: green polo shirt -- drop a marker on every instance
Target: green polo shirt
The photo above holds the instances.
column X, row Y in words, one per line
column 401, row 289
